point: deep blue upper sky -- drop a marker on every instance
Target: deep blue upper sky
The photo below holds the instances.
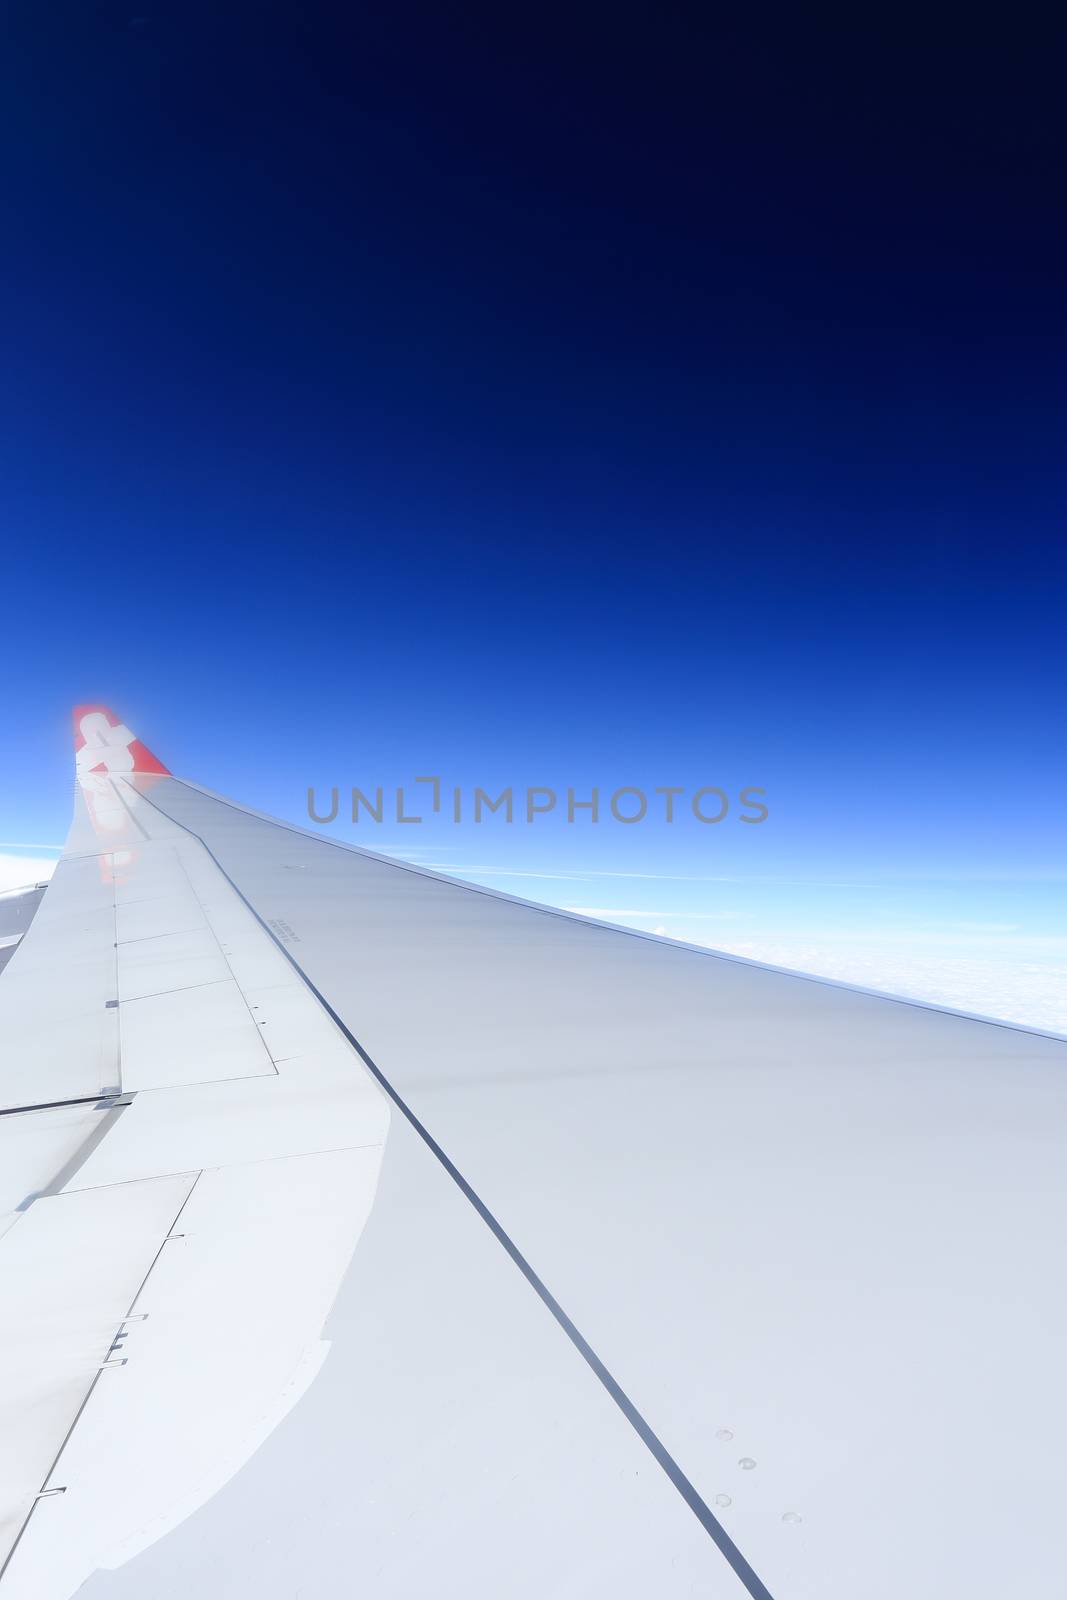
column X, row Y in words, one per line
column 654, row 394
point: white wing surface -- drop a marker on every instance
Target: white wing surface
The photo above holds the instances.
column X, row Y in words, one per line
column 659, row 1272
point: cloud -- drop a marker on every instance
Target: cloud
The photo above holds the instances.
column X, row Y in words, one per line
column 720, row 877
column 19, row 872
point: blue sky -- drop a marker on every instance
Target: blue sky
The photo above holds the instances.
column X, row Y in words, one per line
column 678, row 404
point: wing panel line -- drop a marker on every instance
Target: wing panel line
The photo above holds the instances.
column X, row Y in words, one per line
column 751, row 1580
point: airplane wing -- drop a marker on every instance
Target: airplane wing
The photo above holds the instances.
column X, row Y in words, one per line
column 599, row 1265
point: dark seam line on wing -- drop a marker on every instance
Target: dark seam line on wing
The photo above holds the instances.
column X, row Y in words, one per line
column 703, row 1513
column 55, row 1105
column 594, row 922
column 84, row 1151
column 142, row 830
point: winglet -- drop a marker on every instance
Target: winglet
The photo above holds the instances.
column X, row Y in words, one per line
column 104, row 744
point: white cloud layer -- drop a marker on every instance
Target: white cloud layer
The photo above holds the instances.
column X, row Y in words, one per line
column 18, row 872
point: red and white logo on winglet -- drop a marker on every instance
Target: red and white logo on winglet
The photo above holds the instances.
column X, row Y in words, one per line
column 103, row 744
